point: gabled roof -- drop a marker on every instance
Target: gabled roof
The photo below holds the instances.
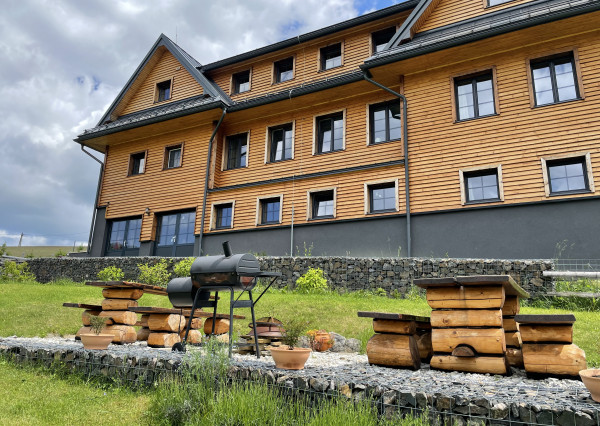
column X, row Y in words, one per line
column 408, row 27
column 188, row 62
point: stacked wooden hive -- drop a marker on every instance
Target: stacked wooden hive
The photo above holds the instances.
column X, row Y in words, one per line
column 401, row 340
column 514, row 355
column 548, row 347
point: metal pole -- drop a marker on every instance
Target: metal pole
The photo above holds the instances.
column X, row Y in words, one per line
column 292, row 235
column 93, row 224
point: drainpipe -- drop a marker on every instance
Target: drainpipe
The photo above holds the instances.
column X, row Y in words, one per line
column 208, row 161
column 405, row 139
column 92, row 226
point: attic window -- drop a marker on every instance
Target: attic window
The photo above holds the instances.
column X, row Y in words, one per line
column 496, row 2
column 241, row 82
column 163, row 91
column 331, row 56
column 381, row 38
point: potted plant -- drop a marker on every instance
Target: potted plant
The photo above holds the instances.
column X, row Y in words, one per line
column 289, row 356
column 591, row 380
column 320, row 340
column 96, row 340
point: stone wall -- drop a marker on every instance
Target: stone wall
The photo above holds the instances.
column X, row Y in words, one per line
column 394, row 275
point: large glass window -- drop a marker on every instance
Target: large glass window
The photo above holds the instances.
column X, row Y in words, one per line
column 270, row 209
column 124, row 237
column 330, row 130
column 237, row 146
column 554, row 80
column 223, row 216
column 381, row 38
column 567, row 175
column 474, row 96
column 331, row 56
column 284, row 70
column 322, row 204
column 241, row 82
column 481, row 185
column 176, row 234
column 280, row 142
column 385, row 122
column 382, row 197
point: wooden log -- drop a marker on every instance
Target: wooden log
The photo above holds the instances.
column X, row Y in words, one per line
column 221, row 326
column 118, row 304
column 553, row 358
column 196, row 323
column 467, row 318
column 546, row 333
column 424, row 345
column 194, row 336
column 514, row 357
column 487, row 297
column 394, row 326
column 121, row 333
column 144, row 320
column 393, row 350
column 163, row 340
column 166, row 322
column 463, row 351
column 121, row 317
column 122, row 293
column 509, row 324
column 513, row 339
column 142, row 334
column 85, row 316
column 511, row 306
column 483, row 340
column 478, row 364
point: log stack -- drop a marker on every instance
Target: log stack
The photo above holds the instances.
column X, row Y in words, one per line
column 269, row 331
column 548, row 347
column 512, row 336
column 400, row 341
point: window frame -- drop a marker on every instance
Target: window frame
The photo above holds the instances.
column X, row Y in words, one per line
column 214, row 214
column 316, row 134
column 126, row 230
column 473, row 75
column 168, row 149
column 171, row 82
column 131, row 162
column 260, row 213
column 370, row 121
column 480, row 170
column 310, row 203
column 368, row 197
column 486, row 3
column 276, row 73
column 225, row 159
column 373, row 47
column 588, row 172
column 322, row 60
column 269, row 139
column 234, row 90
column 547, row 56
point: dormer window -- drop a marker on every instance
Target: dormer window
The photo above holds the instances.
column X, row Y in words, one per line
column 381, row 38
column 163, row 91
column 496, row 2
column 284, row 70
column 331, row 56
column 241, row 82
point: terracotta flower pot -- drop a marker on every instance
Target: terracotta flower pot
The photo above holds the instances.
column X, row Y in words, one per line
column 96, row 341
column 323, row 341
column 287, row 359
column 591, row 380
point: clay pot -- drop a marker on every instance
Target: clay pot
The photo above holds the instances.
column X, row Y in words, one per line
column 323, row 341
column 96, row 341
column 591, row 380
column 290, row 359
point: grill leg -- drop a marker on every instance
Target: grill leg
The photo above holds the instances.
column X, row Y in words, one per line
column 254, row 324
column 212, row 333
column 189, row 324
column 231, row 303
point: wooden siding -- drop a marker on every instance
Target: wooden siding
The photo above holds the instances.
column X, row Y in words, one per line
column 451, row 11
column 356, row 46
column 166, row 68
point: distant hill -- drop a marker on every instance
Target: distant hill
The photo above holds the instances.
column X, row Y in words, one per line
column 40, row 251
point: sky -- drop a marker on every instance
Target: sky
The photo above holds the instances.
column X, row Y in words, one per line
column 63, row 62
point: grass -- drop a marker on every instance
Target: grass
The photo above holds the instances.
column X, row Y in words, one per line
column 38, row 251
column 32, row 396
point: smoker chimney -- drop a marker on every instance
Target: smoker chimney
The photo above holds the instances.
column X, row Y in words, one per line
column 227, row 249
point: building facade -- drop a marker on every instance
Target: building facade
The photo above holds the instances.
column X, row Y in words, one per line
column 460, row 128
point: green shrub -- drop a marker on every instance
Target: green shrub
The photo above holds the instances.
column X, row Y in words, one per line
column 111, row 273
column 16, row 272
column 312, row 281
column 154, row 275
column 182, row 269
column 60, row 253
column 3, row 249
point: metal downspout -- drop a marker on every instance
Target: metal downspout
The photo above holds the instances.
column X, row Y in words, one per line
column 405, row 139
column 93, row 225
column 208, row 161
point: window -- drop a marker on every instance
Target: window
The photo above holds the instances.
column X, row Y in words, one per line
column 173, row 156
column 331, row 56
column 237, row 146
column 496, row 2
column 381, row 38
column 554, row 80
column 175, row 234
column 280, row 142
column 124, row 237
column 481, row 186
column 330, row 132
column 163, row 91
column 385, row 123
column 241, row 82
column 223, row 216
column 474, row 96
column 137, row 163
column 322, row 204
column 382, row 197
column 270, row 210
column 567, row 175
column 284, row 70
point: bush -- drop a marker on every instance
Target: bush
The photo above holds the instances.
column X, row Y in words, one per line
column 111, row 273
column 3, row 249
column 13, row 271
column 312, row 281
column 154, row 275
column 182, row 269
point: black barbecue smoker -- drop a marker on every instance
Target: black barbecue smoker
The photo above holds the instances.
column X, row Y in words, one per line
column 233, row 272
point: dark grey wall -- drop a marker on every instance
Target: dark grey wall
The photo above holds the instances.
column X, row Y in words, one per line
column 99, row 236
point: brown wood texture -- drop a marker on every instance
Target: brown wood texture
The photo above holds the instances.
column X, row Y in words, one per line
column 546, row 319
column 392, row 316
column 483, row 340
column 424, row 344
column 85, row 316
column 194, row 336
column 510, row 285
column 144, row 320
column 463, row 351
column 514, row 357
column 121, row 333
column 128, row 285
column 393, row 326
column 143, row 333
column 466, row 297
column 478, row 364
column 163, row 340
column 118, row 293
column 511, row 306
column 513, row 339
column 118, row 304
column 121, row 317
column 546, row 333
column 185, row 312
column 221, row 326
column 509, row 324
column 393, row 350
column 466, row 318
column 166, row 322
column 551, row 358
column 82, row 306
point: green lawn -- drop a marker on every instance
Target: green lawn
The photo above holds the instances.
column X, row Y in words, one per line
column 39, row 251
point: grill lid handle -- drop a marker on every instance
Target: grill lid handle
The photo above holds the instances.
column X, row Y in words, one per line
column 227, row 249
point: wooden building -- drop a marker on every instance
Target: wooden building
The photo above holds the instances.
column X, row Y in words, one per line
column 461, row 128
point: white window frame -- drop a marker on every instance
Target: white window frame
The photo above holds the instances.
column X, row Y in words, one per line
column 463, row 185
column 588, row 166
column 213, row 214
column 367, row 197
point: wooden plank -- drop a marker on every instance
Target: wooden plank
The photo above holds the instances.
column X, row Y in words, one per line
column 392, row 316
column 150, row 289
column 83, row 306
column 122, row 293
column 553, row 358
column 394, row 326
column 546, row 319
column 511, row 287
column 509, row 324
column 466, row 297
column 513, row 339
column 511, row 306
column 118, row 304
column 482, row 340
column 393, row 350
column 478, row 364
column 515, row 357
column 184, row 312
column 546, row 333
column 466, row 318
column 435, row 282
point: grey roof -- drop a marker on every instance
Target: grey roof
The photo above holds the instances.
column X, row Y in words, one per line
column 500, row 22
